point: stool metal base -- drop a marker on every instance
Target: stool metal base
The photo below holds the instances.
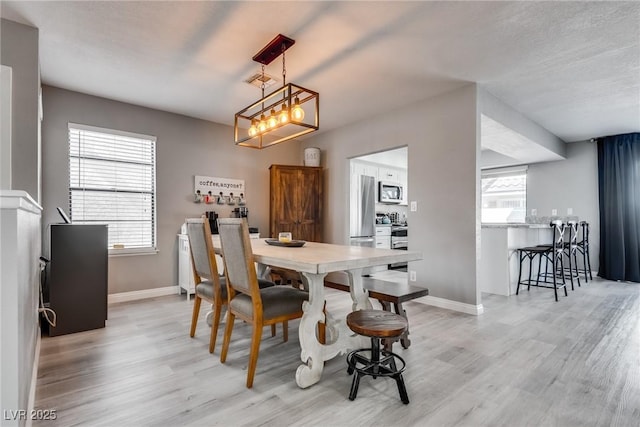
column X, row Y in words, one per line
column 376, row 363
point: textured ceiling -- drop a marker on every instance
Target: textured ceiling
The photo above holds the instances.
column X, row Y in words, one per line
column 572, row 67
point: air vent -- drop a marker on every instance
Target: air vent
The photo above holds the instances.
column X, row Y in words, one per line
column 257, row 79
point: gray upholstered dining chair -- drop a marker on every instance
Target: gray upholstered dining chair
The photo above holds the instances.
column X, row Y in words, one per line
column 259, row 307
column 209, row 285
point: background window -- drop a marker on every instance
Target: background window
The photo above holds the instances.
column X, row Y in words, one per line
column 112, row 181
column 504, row 195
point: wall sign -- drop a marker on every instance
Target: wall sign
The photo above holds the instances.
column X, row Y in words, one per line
column 231, row 189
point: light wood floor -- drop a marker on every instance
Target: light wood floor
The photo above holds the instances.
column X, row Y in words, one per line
column 528, row 361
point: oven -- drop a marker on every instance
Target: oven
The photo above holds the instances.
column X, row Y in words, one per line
column 399, row 241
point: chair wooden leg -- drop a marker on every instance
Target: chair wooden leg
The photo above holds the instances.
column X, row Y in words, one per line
column 217, row 309
column 285, row 331
column 227, row 336
column 194, row 317
column 253, row 354
column 273, row 330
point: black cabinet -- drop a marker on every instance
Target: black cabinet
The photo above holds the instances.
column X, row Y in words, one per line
column 78, row 277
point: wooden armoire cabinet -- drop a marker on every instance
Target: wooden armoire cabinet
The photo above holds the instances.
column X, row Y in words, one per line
column 296, row 202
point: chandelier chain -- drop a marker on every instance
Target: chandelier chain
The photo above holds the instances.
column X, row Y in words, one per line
column 284, row 67
column 262, row 82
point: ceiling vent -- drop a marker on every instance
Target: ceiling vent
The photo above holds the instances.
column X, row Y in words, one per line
column 257, row 79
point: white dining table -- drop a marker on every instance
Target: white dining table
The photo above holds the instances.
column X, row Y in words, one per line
column 314, row 261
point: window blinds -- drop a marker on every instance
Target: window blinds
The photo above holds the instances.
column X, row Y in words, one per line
column 112, row 181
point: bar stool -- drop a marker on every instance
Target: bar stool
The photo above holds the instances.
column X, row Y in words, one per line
column 571, row 250
column 377, row 325
column 552, row 254
column 583, row 248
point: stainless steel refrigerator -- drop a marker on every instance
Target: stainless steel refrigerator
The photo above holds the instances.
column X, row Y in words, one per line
column 362, row 211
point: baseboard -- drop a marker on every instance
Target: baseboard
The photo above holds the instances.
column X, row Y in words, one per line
column 34, row 379
column 462, row 307
column 144, row 294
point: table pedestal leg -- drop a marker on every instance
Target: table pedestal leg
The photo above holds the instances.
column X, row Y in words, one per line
column 311, row 353
column 340, row 338
column 359, row 296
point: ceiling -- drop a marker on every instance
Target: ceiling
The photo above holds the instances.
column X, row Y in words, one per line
column 571, row 67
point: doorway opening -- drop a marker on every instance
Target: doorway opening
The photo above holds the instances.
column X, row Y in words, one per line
column 378, row 202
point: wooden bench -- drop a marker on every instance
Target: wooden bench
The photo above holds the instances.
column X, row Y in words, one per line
column 386, row 293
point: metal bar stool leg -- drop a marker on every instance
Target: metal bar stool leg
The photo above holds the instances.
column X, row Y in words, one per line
column 564, row 283
column 589, row 261
column 570, row 269
column 584, row 264
column 539, row 268
column 402, row 389
column 520, row 271
column 530, row 268
column 354, row 386
column 555, row 286
column 575, row 264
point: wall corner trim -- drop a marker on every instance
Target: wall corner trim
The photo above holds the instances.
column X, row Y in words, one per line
column 448, row 304
column 144, row 294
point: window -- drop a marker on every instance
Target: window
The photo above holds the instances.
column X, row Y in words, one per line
column 112, row 180
column 504, row 195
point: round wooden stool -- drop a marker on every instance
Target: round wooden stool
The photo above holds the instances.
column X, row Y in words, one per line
column 377, row 325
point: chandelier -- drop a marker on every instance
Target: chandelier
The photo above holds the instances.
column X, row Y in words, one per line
column 284, row 114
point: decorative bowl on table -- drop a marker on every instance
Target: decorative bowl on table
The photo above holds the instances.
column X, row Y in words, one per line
column 289, row 244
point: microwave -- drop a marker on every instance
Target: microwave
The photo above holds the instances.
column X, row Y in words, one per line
column 389, row 192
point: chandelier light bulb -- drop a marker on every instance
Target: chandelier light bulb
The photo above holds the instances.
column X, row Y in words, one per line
column 297, row 113
column 262, row 126
column 272, row 121
column 253, row 130
column 283, row 117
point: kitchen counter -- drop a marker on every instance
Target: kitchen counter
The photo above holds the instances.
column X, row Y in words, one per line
column 515, row 225
column 499, row 261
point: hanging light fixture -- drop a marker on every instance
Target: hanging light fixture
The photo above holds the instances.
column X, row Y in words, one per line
column 279, row 116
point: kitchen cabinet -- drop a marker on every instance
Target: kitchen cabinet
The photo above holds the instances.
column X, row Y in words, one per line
column 383, row 236
column 388, row 174
column 296, row 202
column 185, row 269
column 359, row 168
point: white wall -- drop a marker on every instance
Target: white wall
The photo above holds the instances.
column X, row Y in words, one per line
column 5, row 128
column 442, row 135
column 19, row 50
column 185, row 147
column 570, row 183
column 19, row 285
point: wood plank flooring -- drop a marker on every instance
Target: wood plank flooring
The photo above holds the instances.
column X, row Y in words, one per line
column 528, row 361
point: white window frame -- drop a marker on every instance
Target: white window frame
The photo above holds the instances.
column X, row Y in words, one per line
column 505, row 172
column 126, row 251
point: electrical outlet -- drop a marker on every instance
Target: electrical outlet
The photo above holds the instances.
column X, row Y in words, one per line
column 534, row 212
column 554, row 212
column 412, row 276
column 569, row 211
column 414, row 206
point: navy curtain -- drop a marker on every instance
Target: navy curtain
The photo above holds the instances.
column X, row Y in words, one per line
column 619, row 187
